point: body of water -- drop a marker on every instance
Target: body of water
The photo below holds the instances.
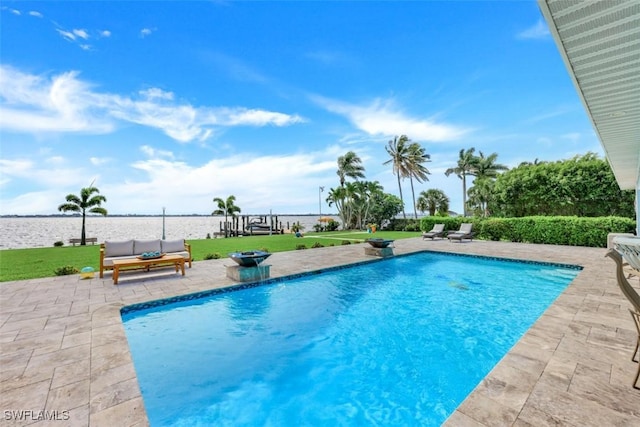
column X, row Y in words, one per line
column 33, row 232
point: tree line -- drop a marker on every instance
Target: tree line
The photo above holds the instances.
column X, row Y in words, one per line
column 582, row 186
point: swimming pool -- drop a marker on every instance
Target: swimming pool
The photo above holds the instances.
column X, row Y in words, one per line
column 396, row 342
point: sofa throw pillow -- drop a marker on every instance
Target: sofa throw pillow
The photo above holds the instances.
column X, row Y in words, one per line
column 122, row 248
column 142, row 246
column 172, row 246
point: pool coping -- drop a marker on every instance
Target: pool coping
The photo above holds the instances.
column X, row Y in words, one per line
column 63, row 345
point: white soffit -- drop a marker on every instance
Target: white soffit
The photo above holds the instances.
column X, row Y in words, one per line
column 600, row 44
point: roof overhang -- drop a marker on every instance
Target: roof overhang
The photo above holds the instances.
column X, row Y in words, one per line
column 600, row 44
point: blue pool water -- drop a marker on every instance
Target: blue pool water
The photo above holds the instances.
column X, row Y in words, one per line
column 397, row 342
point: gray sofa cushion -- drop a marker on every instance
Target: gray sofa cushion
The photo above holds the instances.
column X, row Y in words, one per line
column 142, row 246
column 169, row 246
column 122, row 248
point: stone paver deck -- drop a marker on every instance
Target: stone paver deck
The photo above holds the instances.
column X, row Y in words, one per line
column 64, row 350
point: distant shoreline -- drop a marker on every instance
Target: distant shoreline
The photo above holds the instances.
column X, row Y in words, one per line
column 160, row 215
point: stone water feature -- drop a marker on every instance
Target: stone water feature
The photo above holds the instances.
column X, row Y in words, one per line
column 379, row 247
column 249, row 268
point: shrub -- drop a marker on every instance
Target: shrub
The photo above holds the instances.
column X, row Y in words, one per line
column 264, row 249
column 301, row 247
column 317, row 245
column 58, row 243
column 66, row 270
column 208, row 236
column 215, row 255
column 346, row 242
column 332, row 225
column 398, row 224
column 551, row 230
column 317, row 228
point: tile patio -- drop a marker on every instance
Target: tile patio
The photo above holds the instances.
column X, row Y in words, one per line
column 63, row 346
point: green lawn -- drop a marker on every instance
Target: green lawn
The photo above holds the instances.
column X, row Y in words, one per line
column 22, row 264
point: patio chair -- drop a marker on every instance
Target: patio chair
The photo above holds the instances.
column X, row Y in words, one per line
column 465, row 232
column 634, row 299
column 436, row 231
column 630, row 253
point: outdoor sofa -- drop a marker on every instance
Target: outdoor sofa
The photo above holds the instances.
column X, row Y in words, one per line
column 128, row 249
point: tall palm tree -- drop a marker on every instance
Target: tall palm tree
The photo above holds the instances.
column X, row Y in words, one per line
column 398, row 149
column 466, row 166
column 349, row 166
column 416, row 169
column 486, row 167
column 433, row 200
column 338, row 196
column 83, row 204
column 226, row 207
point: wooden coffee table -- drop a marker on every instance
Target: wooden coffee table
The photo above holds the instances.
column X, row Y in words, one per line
column 176, row 260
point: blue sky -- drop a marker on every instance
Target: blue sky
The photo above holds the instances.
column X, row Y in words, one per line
column 174, row 103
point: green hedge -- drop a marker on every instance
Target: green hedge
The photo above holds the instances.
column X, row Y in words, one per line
column 553, row 230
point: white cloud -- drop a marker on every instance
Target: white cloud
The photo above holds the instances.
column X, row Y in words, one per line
column 77, row 35
column 55, row 160
column 51, row 173
column 383, row 118
column 36, row 14
column 68, row 35
column 259, row 183
column 82, row 33
column 16, row 12
column 153, row 153
column 64, row 103
column 146, row 32
column 19, row 167
column 98, row 161
column 34, row 104
column 538, row 31
column 105, row 33
column 156, row 93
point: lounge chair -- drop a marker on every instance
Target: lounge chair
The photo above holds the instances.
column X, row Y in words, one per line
column 634, row 299
column 464, row 233
column 436, row 231
column 629, row 249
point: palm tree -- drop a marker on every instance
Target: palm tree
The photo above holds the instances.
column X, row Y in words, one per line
column 339, row 197
column 466, row 166
column 398, row 149
column 417, row 156
column 433, row 200
column 362, row 199
column 486, row 167
column 226, row 207
column 480, row 195
column 349, row 166
column 83, row 204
